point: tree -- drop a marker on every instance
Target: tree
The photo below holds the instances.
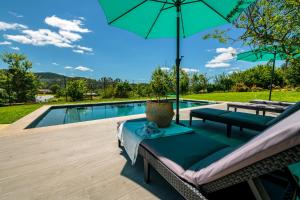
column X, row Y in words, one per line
column 223, row 82
column 183, row 83
column 76, row 89
column 160, row 83
column 142, row 90
column 55, row 88
column 267, row 22
column 3, row 87
column 19, row 80
column 292, row 74
column 122, row 89
column 271, row 22
column 198, row 82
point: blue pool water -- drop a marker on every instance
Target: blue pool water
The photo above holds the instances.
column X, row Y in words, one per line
column 79, row 113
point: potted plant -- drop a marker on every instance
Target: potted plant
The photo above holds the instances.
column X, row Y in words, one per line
column 160, row 110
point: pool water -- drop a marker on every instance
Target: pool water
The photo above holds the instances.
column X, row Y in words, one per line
column 73, row 114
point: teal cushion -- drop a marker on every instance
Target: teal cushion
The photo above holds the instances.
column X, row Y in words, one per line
column 215, row 156
column 209, row 111
column 246, row 119
column 182, row 151
column 290, row 110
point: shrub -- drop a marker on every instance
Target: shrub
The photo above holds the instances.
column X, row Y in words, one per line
column 55, row 88
column 160, row 83
column 122, row 90
column 76, row 89
column 108, row 92
column 241, row 87
column 254, row 88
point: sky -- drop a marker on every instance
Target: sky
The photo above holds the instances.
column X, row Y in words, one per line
column 72, row 37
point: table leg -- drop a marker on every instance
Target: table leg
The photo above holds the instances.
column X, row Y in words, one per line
column 146, row 171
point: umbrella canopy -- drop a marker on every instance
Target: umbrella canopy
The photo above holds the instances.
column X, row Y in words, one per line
column 267, row 53
column 171, row 19
column 157, row 18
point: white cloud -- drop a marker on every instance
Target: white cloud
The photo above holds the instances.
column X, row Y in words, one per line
column 217, row 65
column 66, row 25
column 78, row 51
column 5, row 43
column 70, row 36
column 82, row 18
column 41, row 37
column 225, row 55
column 54, row 63
column 226, row 50
column 15, row 48
column 69, row 32
column 13, row 26
column 165, row 68
column 84, row 48
column 68, row 67
column 84, row 69
column 190, row 70
column 15, row 14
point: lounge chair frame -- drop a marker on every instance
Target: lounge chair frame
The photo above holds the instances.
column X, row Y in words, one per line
column 278, row 161
column 257, row 107
column 228, row 124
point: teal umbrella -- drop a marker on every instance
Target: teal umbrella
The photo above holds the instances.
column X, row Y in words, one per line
column 268, row 53
column 171, row 19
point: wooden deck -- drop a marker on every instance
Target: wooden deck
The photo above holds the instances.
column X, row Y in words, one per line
column 79, row 161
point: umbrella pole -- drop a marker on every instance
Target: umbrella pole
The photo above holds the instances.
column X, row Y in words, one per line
column 272, row 77
column 177, row 59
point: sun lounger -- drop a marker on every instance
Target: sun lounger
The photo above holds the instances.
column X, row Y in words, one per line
column 276, row 103
column 242, row 120
column 256, row 107
column 197, row 166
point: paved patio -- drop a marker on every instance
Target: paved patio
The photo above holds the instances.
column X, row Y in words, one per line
column 78, row 161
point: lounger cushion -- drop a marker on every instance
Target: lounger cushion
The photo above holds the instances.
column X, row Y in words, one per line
column 246, row 120
column 180, row 152
column 209, row 111
column 280, row 137
column 290, row 110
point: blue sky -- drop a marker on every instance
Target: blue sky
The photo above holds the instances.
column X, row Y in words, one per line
column 71, row 37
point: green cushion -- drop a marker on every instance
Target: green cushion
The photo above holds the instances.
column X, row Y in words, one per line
column 211, row 158
column 290, row 110
column 209, row 111
column 182, row 151
column 247, row 120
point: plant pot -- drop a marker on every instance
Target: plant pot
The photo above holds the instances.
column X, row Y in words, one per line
column 160, row 112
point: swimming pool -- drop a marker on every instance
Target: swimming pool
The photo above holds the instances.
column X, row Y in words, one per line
column 79, row 113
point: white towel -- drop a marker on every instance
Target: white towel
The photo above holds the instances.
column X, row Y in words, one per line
column 131, row 135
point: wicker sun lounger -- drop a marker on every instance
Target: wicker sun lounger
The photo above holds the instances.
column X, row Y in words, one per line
column 242, row 120
column 197, row 166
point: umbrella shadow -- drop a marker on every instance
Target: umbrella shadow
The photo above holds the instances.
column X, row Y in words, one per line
column 157, row 186
column 218, row 131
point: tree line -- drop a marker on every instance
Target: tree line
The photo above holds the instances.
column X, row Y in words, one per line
column 18, row 84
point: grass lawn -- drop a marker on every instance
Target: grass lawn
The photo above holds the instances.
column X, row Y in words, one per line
column 11, row 114
column 247, row 96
